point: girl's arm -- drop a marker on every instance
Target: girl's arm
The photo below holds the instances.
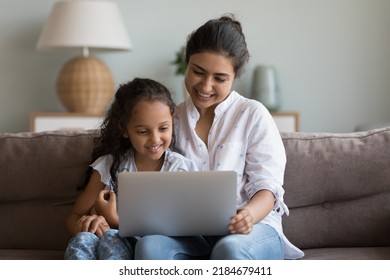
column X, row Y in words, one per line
column 79, row 219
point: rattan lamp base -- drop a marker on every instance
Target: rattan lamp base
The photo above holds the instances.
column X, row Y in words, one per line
column 85, row 85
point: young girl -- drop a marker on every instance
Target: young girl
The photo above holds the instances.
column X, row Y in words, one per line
column 222, row 130
column 135, row 136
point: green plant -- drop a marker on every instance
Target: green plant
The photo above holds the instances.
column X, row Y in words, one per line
column 180, row 61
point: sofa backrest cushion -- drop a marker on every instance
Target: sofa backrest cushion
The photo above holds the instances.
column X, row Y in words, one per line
column 39, row 176
column 338, row 188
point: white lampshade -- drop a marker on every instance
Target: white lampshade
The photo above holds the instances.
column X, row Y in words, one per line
column 79, row 24
column 85, row 84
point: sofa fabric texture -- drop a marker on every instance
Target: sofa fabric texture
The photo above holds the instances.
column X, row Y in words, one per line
column 337, row 189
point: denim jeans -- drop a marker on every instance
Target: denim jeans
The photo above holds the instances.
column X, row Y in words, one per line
column 88, row 246
column 263, row 243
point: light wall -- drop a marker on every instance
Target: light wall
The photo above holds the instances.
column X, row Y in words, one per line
column 332, row 56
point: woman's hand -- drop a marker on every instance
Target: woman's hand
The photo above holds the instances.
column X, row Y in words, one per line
column 257, row 209
column 242, row 222
column 93, row 223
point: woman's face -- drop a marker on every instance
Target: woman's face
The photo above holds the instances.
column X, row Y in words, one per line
column 150, row 130
column 209, row 79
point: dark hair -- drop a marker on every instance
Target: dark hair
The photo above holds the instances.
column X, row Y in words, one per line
column 111, row 140
column 223, row 36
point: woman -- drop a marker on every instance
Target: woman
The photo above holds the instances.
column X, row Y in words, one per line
column 221, row 130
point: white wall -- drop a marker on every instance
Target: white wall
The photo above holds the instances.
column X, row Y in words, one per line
column 332, row 56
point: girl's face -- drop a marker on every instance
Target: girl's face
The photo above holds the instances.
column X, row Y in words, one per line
column 150, row 130
column 209, row 79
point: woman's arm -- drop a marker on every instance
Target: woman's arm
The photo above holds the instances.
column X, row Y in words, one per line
column 257, row 209
column 264, row 169
column 79, row 219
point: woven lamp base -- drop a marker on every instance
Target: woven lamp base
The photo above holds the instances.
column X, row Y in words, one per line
column 85, row 85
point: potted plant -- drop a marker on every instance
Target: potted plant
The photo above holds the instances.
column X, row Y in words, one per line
column 180, row 61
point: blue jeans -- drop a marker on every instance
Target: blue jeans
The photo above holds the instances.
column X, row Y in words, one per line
column 263, row 243
column 87, row 246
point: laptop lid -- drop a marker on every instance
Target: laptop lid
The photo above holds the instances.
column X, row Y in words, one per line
column 176, row 203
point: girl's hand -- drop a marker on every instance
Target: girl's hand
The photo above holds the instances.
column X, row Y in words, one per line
column 106, row 204
column 94, row 224
column 242, row 222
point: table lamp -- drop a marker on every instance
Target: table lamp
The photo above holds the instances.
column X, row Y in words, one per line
column 85, row 84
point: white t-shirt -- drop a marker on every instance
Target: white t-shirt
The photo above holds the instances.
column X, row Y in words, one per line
column 243, row 138
column 172, row 162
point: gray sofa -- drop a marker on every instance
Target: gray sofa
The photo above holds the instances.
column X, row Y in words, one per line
column 337, row 188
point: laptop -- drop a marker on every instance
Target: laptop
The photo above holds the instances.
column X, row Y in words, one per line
column 176, row 203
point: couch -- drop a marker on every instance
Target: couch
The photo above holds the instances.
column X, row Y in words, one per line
column 337, row 188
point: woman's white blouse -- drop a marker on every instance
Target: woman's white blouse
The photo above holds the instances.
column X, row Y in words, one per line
column 243, row 138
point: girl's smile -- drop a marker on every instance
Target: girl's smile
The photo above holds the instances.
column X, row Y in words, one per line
column 154, row 148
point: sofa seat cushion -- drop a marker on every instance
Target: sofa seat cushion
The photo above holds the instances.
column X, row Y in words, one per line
column 357, row 253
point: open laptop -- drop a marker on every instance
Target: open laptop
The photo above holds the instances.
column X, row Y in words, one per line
column 176, row 203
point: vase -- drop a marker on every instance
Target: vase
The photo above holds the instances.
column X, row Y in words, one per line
column 265, row 87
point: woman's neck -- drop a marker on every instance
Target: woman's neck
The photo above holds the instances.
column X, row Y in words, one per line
column 204, row 123
column 206, row 112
